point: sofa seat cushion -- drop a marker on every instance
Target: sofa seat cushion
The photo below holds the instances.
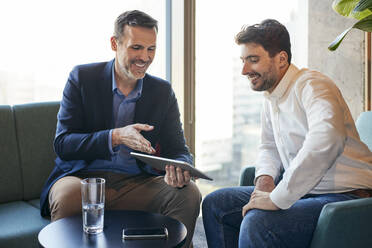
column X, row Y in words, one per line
column 35, row 203
column 20, row 224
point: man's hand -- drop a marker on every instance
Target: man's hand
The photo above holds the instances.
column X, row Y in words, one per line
column 265, row 183
column 131, row 137
column 259, row 200
column 175, row 177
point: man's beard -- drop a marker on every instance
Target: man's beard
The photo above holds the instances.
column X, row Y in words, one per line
column 268, row 82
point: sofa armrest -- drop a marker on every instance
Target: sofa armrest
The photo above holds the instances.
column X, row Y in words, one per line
column 344, row 224
column 247, row 176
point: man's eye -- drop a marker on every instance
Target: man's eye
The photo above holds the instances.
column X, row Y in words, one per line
column 136, row 47
column 151, row 48
column 254, row 60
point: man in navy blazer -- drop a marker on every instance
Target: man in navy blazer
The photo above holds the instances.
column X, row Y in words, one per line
column 110, row 109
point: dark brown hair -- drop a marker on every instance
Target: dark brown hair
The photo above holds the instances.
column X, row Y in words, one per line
column 270, row 34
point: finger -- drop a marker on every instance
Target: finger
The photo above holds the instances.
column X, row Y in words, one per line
column 147, row 148
column 167, row 177
column 172, row 175
column 144, row 141
column 246, row 208
column 151, row 150
column 244, row 211
column 143, row 127
column 186, row 176
column 144, row 145
column 180, row 179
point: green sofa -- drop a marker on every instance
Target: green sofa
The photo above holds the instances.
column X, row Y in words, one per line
column 26, row 159
column 342, row 224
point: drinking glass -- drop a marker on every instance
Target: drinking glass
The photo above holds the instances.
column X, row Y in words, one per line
column 93, row 204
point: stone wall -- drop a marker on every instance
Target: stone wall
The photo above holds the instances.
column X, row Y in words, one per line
column 345, row 65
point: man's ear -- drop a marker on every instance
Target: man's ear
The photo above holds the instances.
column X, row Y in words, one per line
column 114, row 44
column 283, row 59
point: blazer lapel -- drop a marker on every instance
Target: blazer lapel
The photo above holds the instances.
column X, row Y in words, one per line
column 143, row 104
column 107, row 100
column 144, row 108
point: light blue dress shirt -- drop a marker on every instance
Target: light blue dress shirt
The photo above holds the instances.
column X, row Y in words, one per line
column 123, row 115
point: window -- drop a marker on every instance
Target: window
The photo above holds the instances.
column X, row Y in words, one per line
column 42, row 40
column 227, row 110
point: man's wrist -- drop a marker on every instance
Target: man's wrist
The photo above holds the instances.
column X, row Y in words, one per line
column 265, row 183
column 115, row 137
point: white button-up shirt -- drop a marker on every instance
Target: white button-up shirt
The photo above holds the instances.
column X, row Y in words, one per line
column 308, row 131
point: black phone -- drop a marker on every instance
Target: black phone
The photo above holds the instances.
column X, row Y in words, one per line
column 145, row 233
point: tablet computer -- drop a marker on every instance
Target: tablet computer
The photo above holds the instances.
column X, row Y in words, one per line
column 160, row 163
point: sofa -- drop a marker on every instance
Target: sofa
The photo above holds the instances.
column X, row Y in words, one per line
column 341, row 224
column 26, row 159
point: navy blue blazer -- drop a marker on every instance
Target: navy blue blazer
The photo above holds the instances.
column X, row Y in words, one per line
column 85, row 119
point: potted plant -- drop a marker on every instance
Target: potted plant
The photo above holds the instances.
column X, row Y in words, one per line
column 360, row 10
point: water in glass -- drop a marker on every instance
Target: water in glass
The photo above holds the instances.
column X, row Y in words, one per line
column 93, row 215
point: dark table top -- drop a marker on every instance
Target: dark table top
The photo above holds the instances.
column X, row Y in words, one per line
column 68, row 232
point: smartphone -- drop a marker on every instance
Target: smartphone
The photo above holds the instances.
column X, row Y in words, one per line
column 145, row 233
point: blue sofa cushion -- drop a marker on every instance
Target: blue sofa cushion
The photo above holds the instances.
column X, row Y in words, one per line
column 35, row 203
column 20, row 223
column 36, row 127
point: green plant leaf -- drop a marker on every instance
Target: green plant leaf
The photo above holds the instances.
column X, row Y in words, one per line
column 334, row 45
column 363, row 5
column 346, row 7
column 365, row 24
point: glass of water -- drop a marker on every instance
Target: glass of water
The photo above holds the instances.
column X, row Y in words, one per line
column 93, row 204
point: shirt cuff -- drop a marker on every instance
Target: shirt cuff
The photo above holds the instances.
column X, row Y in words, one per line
column 115, row 150
column 282, row 198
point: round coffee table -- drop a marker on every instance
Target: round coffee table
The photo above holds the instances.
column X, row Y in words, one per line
column 68, row 232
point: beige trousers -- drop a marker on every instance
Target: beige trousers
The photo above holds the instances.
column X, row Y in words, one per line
column 127, row 192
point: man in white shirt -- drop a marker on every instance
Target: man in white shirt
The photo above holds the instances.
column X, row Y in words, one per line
column 307, row 132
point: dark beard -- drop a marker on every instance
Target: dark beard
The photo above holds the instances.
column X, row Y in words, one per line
column 267, row 83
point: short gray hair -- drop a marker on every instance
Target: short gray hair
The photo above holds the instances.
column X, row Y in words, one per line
column 133, row 18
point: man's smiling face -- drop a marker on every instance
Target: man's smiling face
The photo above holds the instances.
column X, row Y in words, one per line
column 261, row 69
column 135, row 51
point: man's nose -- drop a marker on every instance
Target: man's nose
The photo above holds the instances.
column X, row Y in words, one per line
column 144, row 55
column 246, row 68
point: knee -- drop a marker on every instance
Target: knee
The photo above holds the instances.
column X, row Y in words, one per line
column 250, row 224
column 64, row 202
column 187, row 198
column 213, row 201
column 192, row 194
column 253, row 229
column 209, row 202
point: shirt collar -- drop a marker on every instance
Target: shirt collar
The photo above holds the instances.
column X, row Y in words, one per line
column 135, row 94
column 282, row 86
